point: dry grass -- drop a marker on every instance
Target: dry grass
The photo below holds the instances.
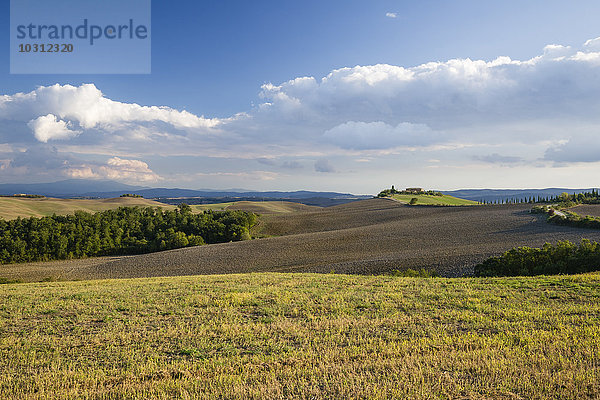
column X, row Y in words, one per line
column 11, row 208
column 258, row 207
column 272, row 207
column 273, row 336
column 212, row 206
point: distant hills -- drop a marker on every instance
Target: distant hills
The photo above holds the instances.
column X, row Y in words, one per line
column 78, row 188
column 506, row 194
column 67, row 188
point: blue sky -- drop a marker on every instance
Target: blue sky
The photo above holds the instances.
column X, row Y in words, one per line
column 214, row 58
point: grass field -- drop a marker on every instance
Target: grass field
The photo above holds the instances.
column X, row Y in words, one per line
column 423, row 199
column 267, row 336
column 212, row 206
column 11, row 208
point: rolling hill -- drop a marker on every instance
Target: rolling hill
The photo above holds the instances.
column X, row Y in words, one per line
column 13, row 207
column 364, row 237
column 258, row 207
column 430, row 200
column 282, row 335
column 74, row 188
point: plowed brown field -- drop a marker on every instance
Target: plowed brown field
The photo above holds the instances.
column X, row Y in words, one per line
column 587, row 209
column 364, row 237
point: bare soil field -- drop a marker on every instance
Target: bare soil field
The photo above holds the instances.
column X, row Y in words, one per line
column 364, row 237
column 587, row 209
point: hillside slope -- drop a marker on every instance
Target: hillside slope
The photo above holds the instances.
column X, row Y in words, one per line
column 258, row 207
column 364, row 237
column 423, row 199
column 13, row 207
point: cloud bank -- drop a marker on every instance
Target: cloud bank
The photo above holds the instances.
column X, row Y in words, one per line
column 87, row 107
column 542, row 111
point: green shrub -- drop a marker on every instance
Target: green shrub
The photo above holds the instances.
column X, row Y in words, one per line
column 566, row 217
column 573, row 219
column 563, row 258
column 540, row 210
column 413, row 201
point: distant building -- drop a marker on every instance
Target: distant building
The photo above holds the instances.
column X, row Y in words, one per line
column 414, row 190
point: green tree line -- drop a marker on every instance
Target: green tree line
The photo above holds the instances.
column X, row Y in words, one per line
column 393, row 190
column 568, row 200
column 126, row 230
column 563, row 258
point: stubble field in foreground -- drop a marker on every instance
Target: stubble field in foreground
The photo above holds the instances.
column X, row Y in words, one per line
column 302, row 336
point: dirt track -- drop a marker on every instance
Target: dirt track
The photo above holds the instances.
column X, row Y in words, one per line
column 365, row 237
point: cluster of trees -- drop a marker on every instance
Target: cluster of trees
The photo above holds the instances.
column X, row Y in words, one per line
column 26, row 196
column 126, row 230
column 563, row 258
column 132, row 195
column 568, row 200
column 592, row 197
column 558, row 214
column 514, row 200
column 392, row 190
column 564, row 199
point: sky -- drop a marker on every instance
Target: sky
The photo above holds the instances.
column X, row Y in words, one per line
column 349, row 96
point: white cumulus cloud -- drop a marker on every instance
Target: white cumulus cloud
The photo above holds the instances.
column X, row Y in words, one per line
column 543, row 110
column 45, row 161
column 48, row 127
column 562, row 81
column 116, row 168
column 86, row 107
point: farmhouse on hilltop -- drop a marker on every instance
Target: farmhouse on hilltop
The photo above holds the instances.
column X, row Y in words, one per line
column 414, row 190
